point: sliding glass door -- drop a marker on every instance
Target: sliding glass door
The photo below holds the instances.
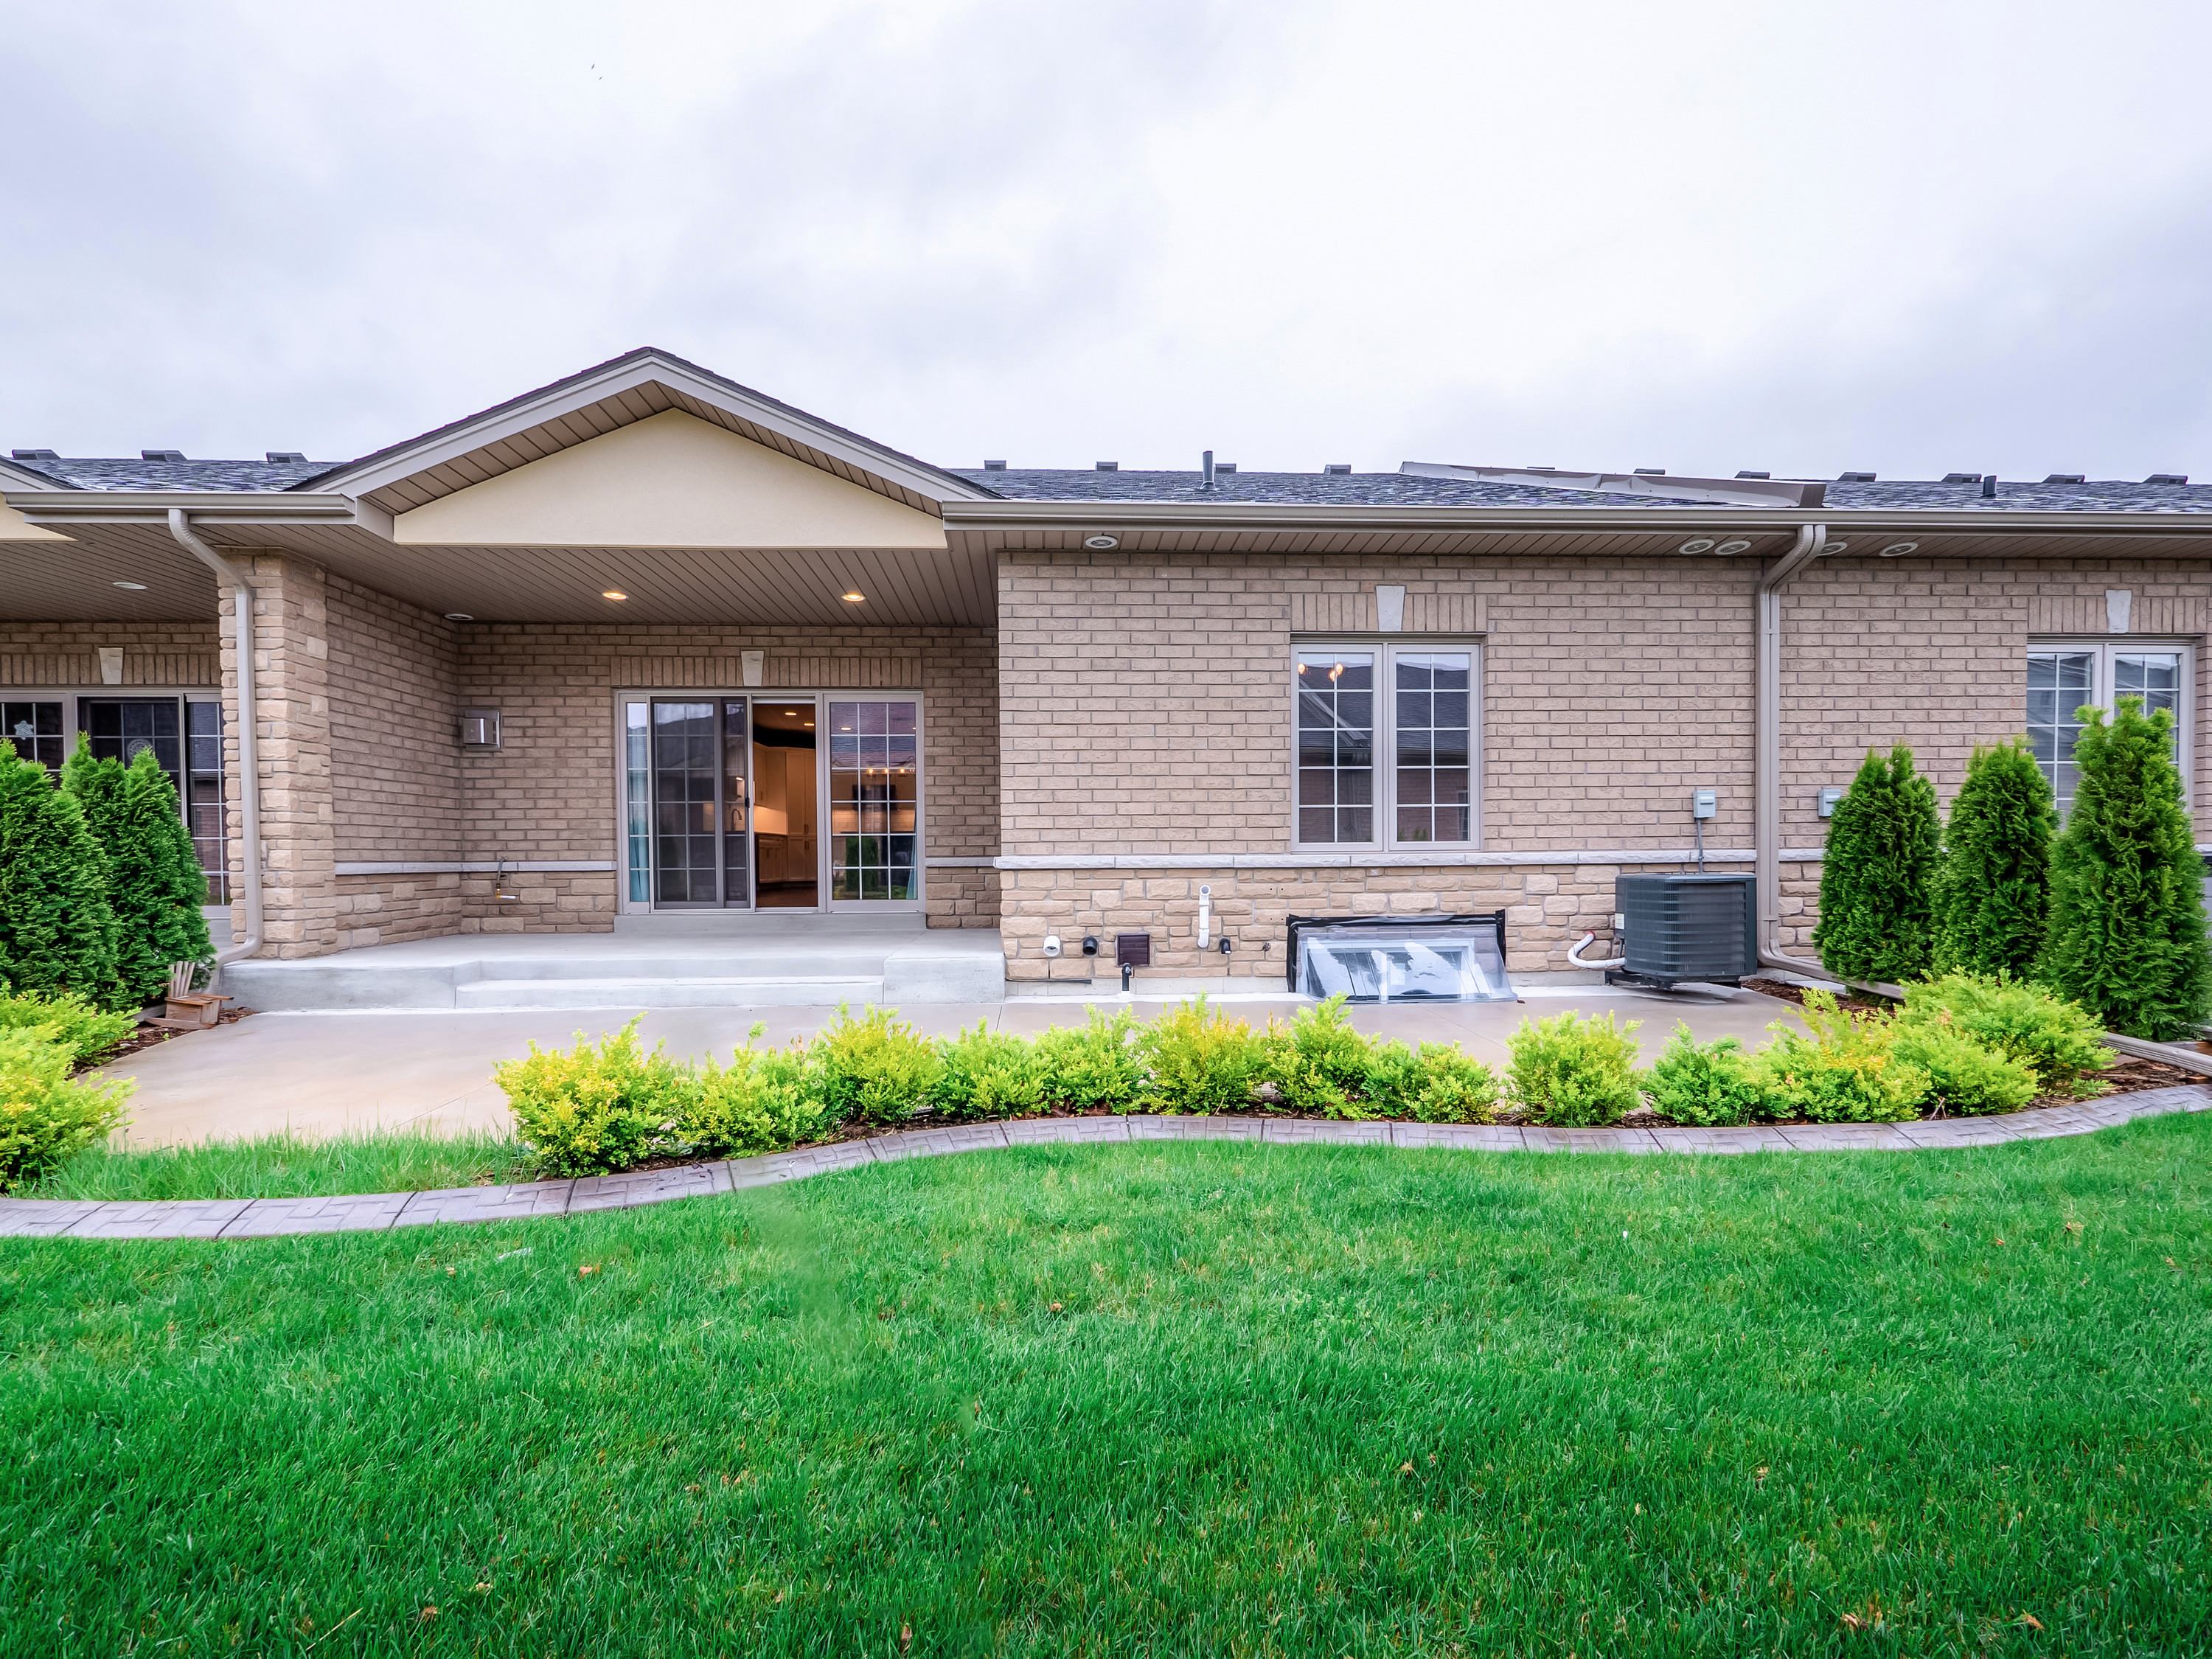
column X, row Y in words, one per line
column 729, row 802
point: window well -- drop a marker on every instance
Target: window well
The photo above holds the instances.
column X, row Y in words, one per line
column 1440, row 958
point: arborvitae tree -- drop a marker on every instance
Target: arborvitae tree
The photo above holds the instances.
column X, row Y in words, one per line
column 2127, row 900
column 155, row 886
column 1994, row 894
column 56, row 932
column 1878, row 875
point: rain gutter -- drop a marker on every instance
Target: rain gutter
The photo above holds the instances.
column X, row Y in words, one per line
column 249, row 767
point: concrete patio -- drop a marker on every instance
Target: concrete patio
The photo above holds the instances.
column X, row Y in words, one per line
column 327, row 1072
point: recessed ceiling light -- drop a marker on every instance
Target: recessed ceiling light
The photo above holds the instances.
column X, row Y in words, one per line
column 1899, row 550
column 614, row 593
column 1698, row 545
column 853, row 599
column 809, row 725
column 135, row 588
column 1731, row 549
column 458, row 615
column 1101, row 543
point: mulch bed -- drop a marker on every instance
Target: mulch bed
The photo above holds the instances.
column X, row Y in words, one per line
column 149, row 1036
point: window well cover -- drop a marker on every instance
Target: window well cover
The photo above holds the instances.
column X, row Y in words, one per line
column 1459, row 958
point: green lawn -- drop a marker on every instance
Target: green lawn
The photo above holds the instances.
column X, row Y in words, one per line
column 288, row 1166
column 1202, row 1399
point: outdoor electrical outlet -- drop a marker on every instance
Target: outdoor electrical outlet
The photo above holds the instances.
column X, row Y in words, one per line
column 1703, row 803
column 1828, row 799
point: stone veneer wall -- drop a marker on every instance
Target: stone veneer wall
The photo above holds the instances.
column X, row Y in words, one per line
column 1148, row 714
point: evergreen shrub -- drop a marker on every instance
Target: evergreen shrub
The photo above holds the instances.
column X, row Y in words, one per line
column 1963, row 1076
column 1706, row 1084
column 1097, row 1064
column 46, row 1114
column 57, row 930
column 2057, row 1040
column 1454, row 1087
column 2126, row 939
column 1993, row 895
column 155, row 886
column 984, row 1073
column 1570, row 1070
column 764, row 1100
column 1318, row 1062
column 1878, row 875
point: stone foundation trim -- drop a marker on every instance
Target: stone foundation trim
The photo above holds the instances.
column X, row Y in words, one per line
column 266, row 1217
column 1533, row 859
column 469, row 866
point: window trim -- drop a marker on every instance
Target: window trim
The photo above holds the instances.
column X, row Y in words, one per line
column 2103, row 648
column 1386, row 647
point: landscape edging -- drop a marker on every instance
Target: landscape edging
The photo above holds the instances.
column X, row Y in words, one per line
column 270, row 1218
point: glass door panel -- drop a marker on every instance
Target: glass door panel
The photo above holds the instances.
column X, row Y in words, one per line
column 736, row 804
column 686, row 775
column 875, row 793
column 786, row 805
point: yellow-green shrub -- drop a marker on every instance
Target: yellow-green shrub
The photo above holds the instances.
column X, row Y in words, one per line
column 765, row 1100
column 1200, row 1060
column 1963, row 1076
column 87, row 1031
column 597, row 1108
column 1318, row 1062
column 1847, row 1071
column 1572, row 1070
column 2055, row 1039
column 1707, row 1082
column 984, row 1073
column 875, row 1069
column 1096, row 1065
column 46, row 1114
column 1454, row 1088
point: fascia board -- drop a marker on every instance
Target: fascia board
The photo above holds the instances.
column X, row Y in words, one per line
column 1690, row 521
column 206, row 506
column 15, row 475
column 628, row 377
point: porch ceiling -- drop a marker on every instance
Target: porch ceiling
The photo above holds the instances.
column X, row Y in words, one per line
column 73, row 580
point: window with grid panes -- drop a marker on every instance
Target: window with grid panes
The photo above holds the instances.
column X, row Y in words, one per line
column 2064, row 677
column 1386, row 742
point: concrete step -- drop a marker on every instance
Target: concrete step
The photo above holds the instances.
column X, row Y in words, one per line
column 753, row 962
column 671, row 991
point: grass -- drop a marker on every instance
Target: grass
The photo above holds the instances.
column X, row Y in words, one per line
column 288, row 1166
column 1208, row 1399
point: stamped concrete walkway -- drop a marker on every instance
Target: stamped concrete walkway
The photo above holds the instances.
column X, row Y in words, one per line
column 264, row 1217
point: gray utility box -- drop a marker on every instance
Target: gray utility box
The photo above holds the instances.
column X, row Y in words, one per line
column 1679, row 928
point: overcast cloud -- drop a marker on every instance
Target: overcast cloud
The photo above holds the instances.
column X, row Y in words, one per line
column 1911, row 238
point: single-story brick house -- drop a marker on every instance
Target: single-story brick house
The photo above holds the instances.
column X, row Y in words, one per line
column 644, row 643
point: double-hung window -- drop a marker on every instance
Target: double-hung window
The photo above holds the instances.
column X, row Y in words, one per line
column 1387, row 737
column 2064, row 677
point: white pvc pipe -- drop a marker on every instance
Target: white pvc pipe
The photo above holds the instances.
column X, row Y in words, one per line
column 249, row 770
column 1575, row 955
column 1205, row 917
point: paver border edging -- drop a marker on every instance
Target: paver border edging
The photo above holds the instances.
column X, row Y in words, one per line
column 270, row 1218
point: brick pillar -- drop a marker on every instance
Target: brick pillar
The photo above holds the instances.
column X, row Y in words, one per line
column 291, row 666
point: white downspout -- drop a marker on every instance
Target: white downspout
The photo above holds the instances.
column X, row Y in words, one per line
column 1766, row 795
column 249, row 769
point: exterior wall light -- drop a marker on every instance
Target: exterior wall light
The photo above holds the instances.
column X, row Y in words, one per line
column 1101, row 543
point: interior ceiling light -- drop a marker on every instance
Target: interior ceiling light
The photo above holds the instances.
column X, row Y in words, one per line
column 458, row 615
column 135, row 588
column 614, row 593
column 855, row 598
column 1698, row 545
column 1101, row 543
column 1899, row 550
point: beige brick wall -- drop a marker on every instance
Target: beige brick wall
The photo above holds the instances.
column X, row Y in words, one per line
column 1147, row 712
column 549, row 793
column 183, row 654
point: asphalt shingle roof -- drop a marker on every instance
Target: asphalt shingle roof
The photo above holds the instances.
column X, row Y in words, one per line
column 1287, row 488
column 1406, row 489
column 241, row 477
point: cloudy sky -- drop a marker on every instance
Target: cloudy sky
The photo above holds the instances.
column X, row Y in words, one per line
column 1912, row 238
